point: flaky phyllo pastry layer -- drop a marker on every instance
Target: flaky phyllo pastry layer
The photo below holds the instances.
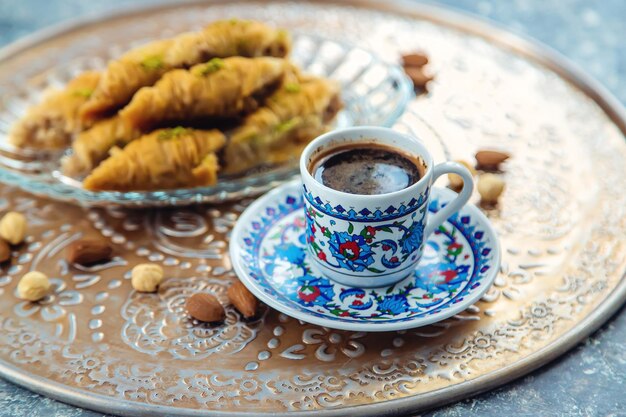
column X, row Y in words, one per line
column 94, row 95
column 220, row 88
column 165, row 158
column 181, row 112
column 51, row 123
column 144, row 65
column 92, row 145
column 294, row 114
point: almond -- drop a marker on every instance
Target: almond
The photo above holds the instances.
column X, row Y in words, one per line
column 418, row 77
column 205, row 307
column 89, row 251
column 243, row 299
column 490, row 159
column 414, row 60
column 5, row 251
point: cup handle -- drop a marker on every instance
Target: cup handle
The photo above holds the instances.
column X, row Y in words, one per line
column 455, row 205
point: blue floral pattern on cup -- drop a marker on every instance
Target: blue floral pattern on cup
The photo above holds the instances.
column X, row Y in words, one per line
column 372, row 247
column 351, row 251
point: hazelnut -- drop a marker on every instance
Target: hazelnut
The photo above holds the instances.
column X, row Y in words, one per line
column 490, row 186
column 13, row 227
column 146, row 277
column 456, row 182
column 33, row 286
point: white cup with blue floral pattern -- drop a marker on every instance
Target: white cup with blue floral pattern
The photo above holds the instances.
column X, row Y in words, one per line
column 373, row 240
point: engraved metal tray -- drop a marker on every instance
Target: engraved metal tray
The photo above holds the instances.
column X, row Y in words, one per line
column 562, row 222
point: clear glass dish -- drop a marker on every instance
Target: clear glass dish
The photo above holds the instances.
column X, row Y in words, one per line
column 375, row 92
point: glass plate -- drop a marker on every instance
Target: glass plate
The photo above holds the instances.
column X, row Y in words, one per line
column 375, row 92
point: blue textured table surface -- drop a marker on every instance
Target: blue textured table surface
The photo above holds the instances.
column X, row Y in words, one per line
column 588, row 381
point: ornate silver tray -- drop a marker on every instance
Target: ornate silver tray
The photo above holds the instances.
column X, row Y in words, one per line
column 562, row 221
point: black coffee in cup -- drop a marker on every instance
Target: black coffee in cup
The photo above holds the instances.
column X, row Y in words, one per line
column 367, row 168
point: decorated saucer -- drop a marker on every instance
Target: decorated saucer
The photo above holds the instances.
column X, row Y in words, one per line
column 268, row 252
